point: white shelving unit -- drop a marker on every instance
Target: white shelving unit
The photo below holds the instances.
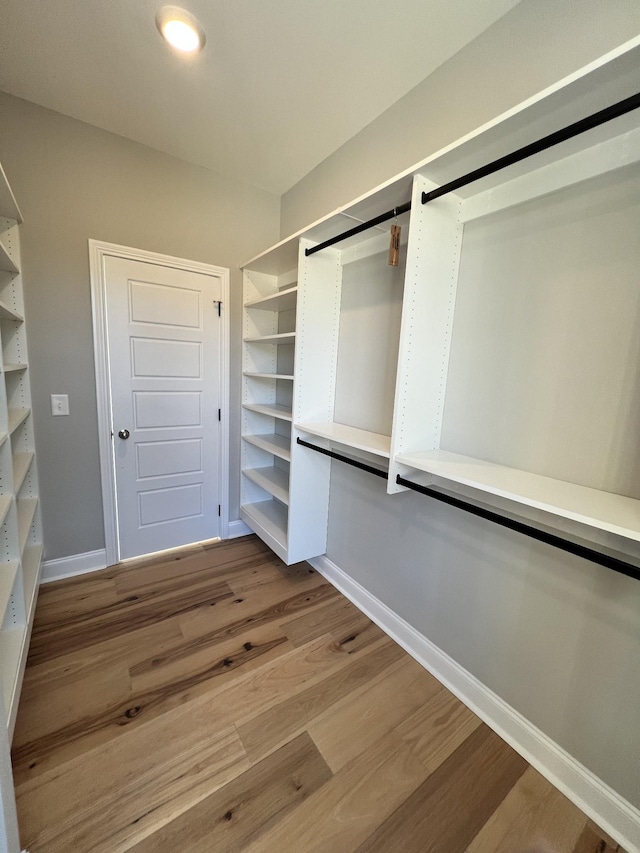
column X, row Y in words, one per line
column 21, row 528
column 496, row 359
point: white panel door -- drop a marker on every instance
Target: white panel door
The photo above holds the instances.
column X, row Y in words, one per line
column 164, row 357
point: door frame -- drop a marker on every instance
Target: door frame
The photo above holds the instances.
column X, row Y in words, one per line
column 98, row 251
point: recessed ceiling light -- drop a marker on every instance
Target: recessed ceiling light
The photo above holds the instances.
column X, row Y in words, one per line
column 180, row 29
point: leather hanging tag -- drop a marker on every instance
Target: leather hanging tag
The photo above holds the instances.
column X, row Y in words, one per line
column 394, row 246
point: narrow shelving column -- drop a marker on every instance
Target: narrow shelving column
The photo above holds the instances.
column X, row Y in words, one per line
column 21, row 529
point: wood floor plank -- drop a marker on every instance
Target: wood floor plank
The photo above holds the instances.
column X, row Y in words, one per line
column 193, row 659
column 238, row 613
column 347, row 808
column 266, row 731
column 533, row 814
column 349, row 727
column 60, row 601
column 438, row 728
column 337, row 616
column 146, row 779
column 232, row 698
column 110, row 620
column 246, row 807
column 448, row 810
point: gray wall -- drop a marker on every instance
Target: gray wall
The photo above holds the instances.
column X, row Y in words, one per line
column 554, row 636
column 74, row 182
column 532, row 46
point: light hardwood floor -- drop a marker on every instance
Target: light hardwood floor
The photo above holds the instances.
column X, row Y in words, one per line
column 216, row 700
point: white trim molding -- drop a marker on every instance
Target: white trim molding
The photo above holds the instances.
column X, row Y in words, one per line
column 609, row 810
column 69, row 567
column 98, row 251
column 237, row 528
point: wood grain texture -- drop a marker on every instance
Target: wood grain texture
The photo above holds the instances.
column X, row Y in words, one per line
column 213, row 700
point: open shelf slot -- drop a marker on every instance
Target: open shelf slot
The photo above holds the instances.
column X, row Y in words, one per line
column 14, row 368
column 8, row 573
column 284, row 300
column 277, row 445
column 280, row 338
column 284, row 376
column 31, row 567
column 269, row 520
column 7, row 313
column 358, row 439
column 6, row 261
column 273, row 410
column 13, row 640
column 21, row 465
column 26, row 513
column 8, row 205
column 271, row 479
column 5, row 505
column 16, row 418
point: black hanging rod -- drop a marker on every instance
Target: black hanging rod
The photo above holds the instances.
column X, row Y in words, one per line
column 364, row 226
column 354, row 462
column 583, row 551
column 578, row 127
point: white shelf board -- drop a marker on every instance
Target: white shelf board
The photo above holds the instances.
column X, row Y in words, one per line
column 21, row 464
column 6, row 261
column 273, row 410
column 8, row 205
column 283, row 338
column 286, row 376
column 8, row 573
column 11, row 647
column 359, row 439
column 278, row 445
column 31, row 567
column 5, row 503
column 10, row 367
column 283, row 300
column 271, row 479
column 7, row 313
column 269, row 520
column 26, row 512
column 603, row 510
column 17, row 417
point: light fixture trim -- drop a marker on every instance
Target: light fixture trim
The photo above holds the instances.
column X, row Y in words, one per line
column 180, row 29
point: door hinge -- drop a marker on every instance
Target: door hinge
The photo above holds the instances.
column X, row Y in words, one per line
column 218, row 303
column 219, row 414
column 219, row 510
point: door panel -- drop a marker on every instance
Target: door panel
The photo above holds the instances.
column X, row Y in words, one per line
column 163, row 341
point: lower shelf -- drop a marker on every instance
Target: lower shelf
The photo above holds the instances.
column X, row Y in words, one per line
column 8, row 573
column 12, row 647
column 277, row 445
column 26, row 512
column 359, row 439
column 268, row 519
column 31, row 566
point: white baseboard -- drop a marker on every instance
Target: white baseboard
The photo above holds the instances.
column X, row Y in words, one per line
column 237, row 528
column 609, row 810
column 78, row 564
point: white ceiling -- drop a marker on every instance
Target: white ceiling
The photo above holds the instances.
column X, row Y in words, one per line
column 280, row 85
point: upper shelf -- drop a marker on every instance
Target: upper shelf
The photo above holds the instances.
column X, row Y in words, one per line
column 8, row 205
column 6, row 261
column 358, row 439
column 604, row 510
column 284, row 300
column 7, row 313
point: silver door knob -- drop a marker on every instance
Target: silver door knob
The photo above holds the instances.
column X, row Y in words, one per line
column 124, row 433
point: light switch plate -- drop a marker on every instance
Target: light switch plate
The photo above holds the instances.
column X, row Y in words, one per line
column 59, row 404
